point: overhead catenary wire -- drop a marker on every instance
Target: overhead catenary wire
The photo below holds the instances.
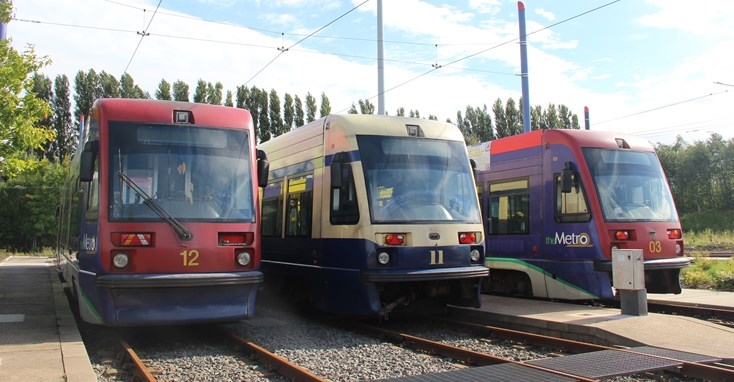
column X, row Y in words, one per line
column 434, row 66
column 239, row 43
column 280, row 33
column 437, row 66
column 142, row 36
column 662, row 107
column 291, row 48
column 283, row 50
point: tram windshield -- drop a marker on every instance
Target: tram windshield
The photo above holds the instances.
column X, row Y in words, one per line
column 193, row 173
column 418, row 180
column 631, row 185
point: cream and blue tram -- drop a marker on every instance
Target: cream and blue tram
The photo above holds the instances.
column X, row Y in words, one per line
column 368, row 215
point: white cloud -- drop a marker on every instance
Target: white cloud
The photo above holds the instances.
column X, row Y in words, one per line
column 475, row 45
column 550, row 16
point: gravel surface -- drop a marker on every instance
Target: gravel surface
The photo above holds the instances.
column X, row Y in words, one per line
column 201, row 353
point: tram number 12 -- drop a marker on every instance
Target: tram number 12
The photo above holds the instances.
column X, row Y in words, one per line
column 190, row 258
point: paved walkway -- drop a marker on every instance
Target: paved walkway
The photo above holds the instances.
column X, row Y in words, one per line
column 39, row 339
column 610, row 325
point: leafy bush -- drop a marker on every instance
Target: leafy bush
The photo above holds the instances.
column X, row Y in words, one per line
column 707, row 273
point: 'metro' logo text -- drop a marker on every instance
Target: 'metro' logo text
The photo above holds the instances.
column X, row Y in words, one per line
column 570, row 240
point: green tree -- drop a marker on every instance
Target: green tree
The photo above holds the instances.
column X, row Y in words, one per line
column 200, row 92
column 42, row 87
column 228, row 99
column 727, row 165
column 565, row 118
column 670, row 157
column 550, row 118
column 263, row 120
column 483, row 127
column 20, row 108
column 536, row 115
column 501, row 126
column 325, row 106
column 513, row 117
column 721, row 173
column 366, row 107
column 696, row 164
column 110, row 85
column 180, row 91
column 164, row 91
column 400, row 112
column 353, row 109
column 252, row 103
column 242, row 94
column 66, row 136
column 87, row 89
column 34, row 195
column 310, row 108
column 214, row 93
column 288, row 112
column 128, row 88
column 298, row 107
column 276, row 121
column 467, row 125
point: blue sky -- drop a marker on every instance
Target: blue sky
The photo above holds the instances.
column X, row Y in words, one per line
column 644, row 67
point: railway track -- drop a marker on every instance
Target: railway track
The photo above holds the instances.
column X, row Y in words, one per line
column 142, row 371
column 724, row 254
column 686, row 364
column 318, row 348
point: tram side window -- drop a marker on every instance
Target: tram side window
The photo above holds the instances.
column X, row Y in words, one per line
column 93, row 195
column 509, row 205
column 300, row 206
column 571, row 207
column 272, row 210
column 74, row 217
column 344, row 207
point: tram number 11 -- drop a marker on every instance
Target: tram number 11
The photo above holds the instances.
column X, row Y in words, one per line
column 190, row 258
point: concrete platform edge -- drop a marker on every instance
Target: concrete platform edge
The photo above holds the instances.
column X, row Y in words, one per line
column 77, row 366
column 539, row 326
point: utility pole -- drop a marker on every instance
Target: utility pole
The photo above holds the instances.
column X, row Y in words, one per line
column 3, row 26
column 524, row 68
column 380, row 63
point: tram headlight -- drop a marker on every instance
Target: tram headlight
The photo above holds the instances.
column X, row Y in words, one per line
column 121, row 260
column 244, row 258
column 383, row 258
column 475, row 255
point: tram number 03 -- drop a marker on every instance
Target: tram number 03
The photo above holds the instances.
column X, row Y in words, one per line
column 655, row 246
column 190, row 258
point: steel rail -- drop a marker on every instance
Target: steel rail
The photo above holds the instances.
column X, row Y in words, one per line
column 695, row 369
column 140, row 368
column 277, row 363
column 467, row 356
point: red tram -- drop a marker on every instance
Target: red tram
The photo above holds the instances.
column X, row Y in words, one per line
column 158, row 220
column 557, row 202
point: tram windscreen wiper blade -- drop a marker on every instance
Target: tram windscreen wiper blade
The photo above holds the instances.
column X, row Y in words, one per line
column 182, row 232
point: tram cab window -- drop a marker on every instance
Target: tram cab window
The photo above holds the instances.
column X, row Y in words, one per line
column 509, row 208
column 571, row 207
column 344, row 208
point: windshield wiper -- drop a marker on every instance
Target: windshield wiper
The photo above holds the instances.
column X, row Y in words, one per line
column 181, row 231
